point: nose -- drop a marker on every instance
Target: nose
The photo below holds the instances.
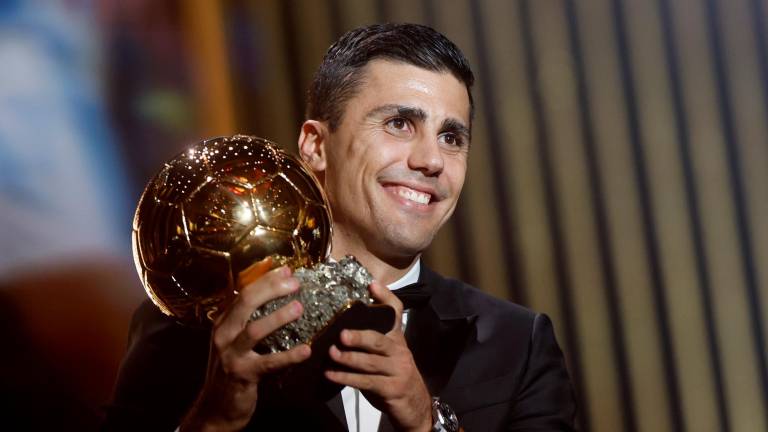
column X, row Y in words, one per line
column 426, row 157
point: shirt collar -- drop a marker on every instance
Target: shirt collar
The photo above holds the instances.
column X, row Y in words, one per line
column 412, row 276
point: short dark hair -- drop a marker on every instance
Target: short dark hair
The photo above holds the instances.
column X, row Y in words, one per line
column 338, row 77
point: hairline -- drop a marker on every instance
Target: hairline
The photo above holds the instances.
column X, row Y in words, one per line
column 356, row 79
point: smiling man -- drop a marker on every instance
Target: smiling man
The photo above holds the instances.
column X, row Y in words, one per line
column 388, row 134
column 394, row 165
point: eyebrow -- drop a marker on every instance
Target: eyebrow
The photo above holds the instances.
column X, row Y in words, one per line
column 409, row 112
column 414, row 113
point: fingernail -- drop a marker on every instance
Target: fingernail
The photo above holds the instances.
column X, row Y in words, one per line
column 290, row 284
column 305, row 351
column 296, row 308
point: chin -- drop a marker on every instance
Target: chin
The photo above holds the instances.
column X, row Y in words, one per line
column 405, row 245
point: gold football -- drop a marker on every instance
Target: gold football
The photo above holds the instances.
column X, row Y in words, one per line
column 217, row 208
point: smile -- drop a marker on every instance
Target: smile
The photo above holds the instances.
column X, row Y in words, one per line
column 413, row 195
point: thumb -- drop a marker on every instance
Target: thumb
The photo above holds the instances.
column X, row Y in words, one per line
column 383, row 295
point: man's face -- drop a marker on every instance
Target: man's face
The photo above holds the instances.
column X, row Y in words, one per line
column 396, row 163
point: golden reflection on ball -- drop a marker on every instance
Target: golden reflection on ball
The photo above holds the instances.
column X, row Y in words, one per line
column 217, row 208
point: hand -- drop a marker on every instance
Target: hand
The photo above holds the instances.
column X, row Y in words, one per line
column 228, row 398
column 385, row 371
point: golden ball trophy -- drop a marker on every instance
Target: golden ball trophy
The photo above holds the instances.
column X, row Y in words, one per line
column 228, row 202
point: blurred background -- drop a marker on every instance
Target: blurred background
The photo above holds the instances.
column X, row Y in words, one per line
column 618, row 180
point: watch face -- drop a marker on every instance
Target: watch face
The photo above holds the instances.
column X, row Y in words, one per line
column 445, row 418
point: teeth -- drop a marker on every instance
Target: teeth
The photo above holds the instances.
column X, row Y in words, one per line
column 413, row 195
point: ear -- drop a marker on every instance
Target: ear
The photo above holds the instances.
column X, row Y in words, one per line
column 312, row 141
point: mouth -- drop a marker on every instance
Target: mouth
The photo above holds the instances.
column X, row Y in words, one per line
column 411, row 195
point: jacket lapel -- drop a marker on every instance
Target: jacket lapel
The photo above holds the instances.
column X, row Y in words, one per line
column 437, row 334
column 336, row 406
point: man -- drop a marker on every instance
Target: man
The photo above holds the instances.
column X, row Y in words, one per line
column 388, row 135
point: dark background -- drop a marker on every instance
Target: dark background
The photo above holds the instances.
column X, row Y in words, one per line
column 618, row 179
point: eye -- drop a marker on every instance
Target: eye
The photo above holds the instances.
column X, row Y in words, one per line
column 398, row 126
column 398, row 123
column 452, row 139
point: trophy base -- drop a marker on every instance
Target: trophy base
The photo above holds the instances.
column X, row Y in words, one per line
column 306, row 380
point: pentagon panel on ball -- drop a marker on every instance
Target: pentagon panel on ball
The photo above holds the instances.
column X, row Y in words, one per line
column 217, row 208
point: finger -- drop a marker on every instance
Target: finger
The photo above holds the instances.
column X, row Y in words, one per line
column 257, row 330
column 359, row 381
column 361, row 361
column 368, row 340
column 253, row 272
column 383, row 295
column 245, row 277
column 275, row 283
column 259, row 365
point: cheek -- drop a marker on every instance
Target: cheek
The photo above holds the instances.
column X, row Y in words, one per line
column 457, row 171
column 359, row 144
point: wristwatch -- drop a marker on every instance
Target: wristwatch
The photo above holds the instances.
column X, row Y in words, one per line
column 444, row 417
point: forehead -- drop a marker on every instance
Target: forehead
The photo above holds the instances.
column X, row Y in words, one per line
column 385, row 82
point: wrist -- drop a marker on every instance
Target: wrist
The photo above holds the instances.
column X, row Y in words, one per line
column 216, row 410
column 200, row 421
column 419, row 415
column 426, row 424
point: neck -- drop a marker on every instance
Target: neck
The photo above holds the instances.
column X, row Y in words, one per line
column 384, row 269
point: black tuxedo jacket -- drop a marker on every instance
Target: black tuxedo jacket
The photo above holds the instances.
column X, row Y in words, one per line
column 495, row 363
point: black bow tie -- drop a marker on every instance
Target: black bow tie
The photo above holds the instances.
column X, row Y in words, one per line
column 413, row 296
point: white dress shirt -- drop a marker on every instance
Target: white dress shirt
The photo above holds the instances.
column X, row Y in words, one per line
column 361, row 415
